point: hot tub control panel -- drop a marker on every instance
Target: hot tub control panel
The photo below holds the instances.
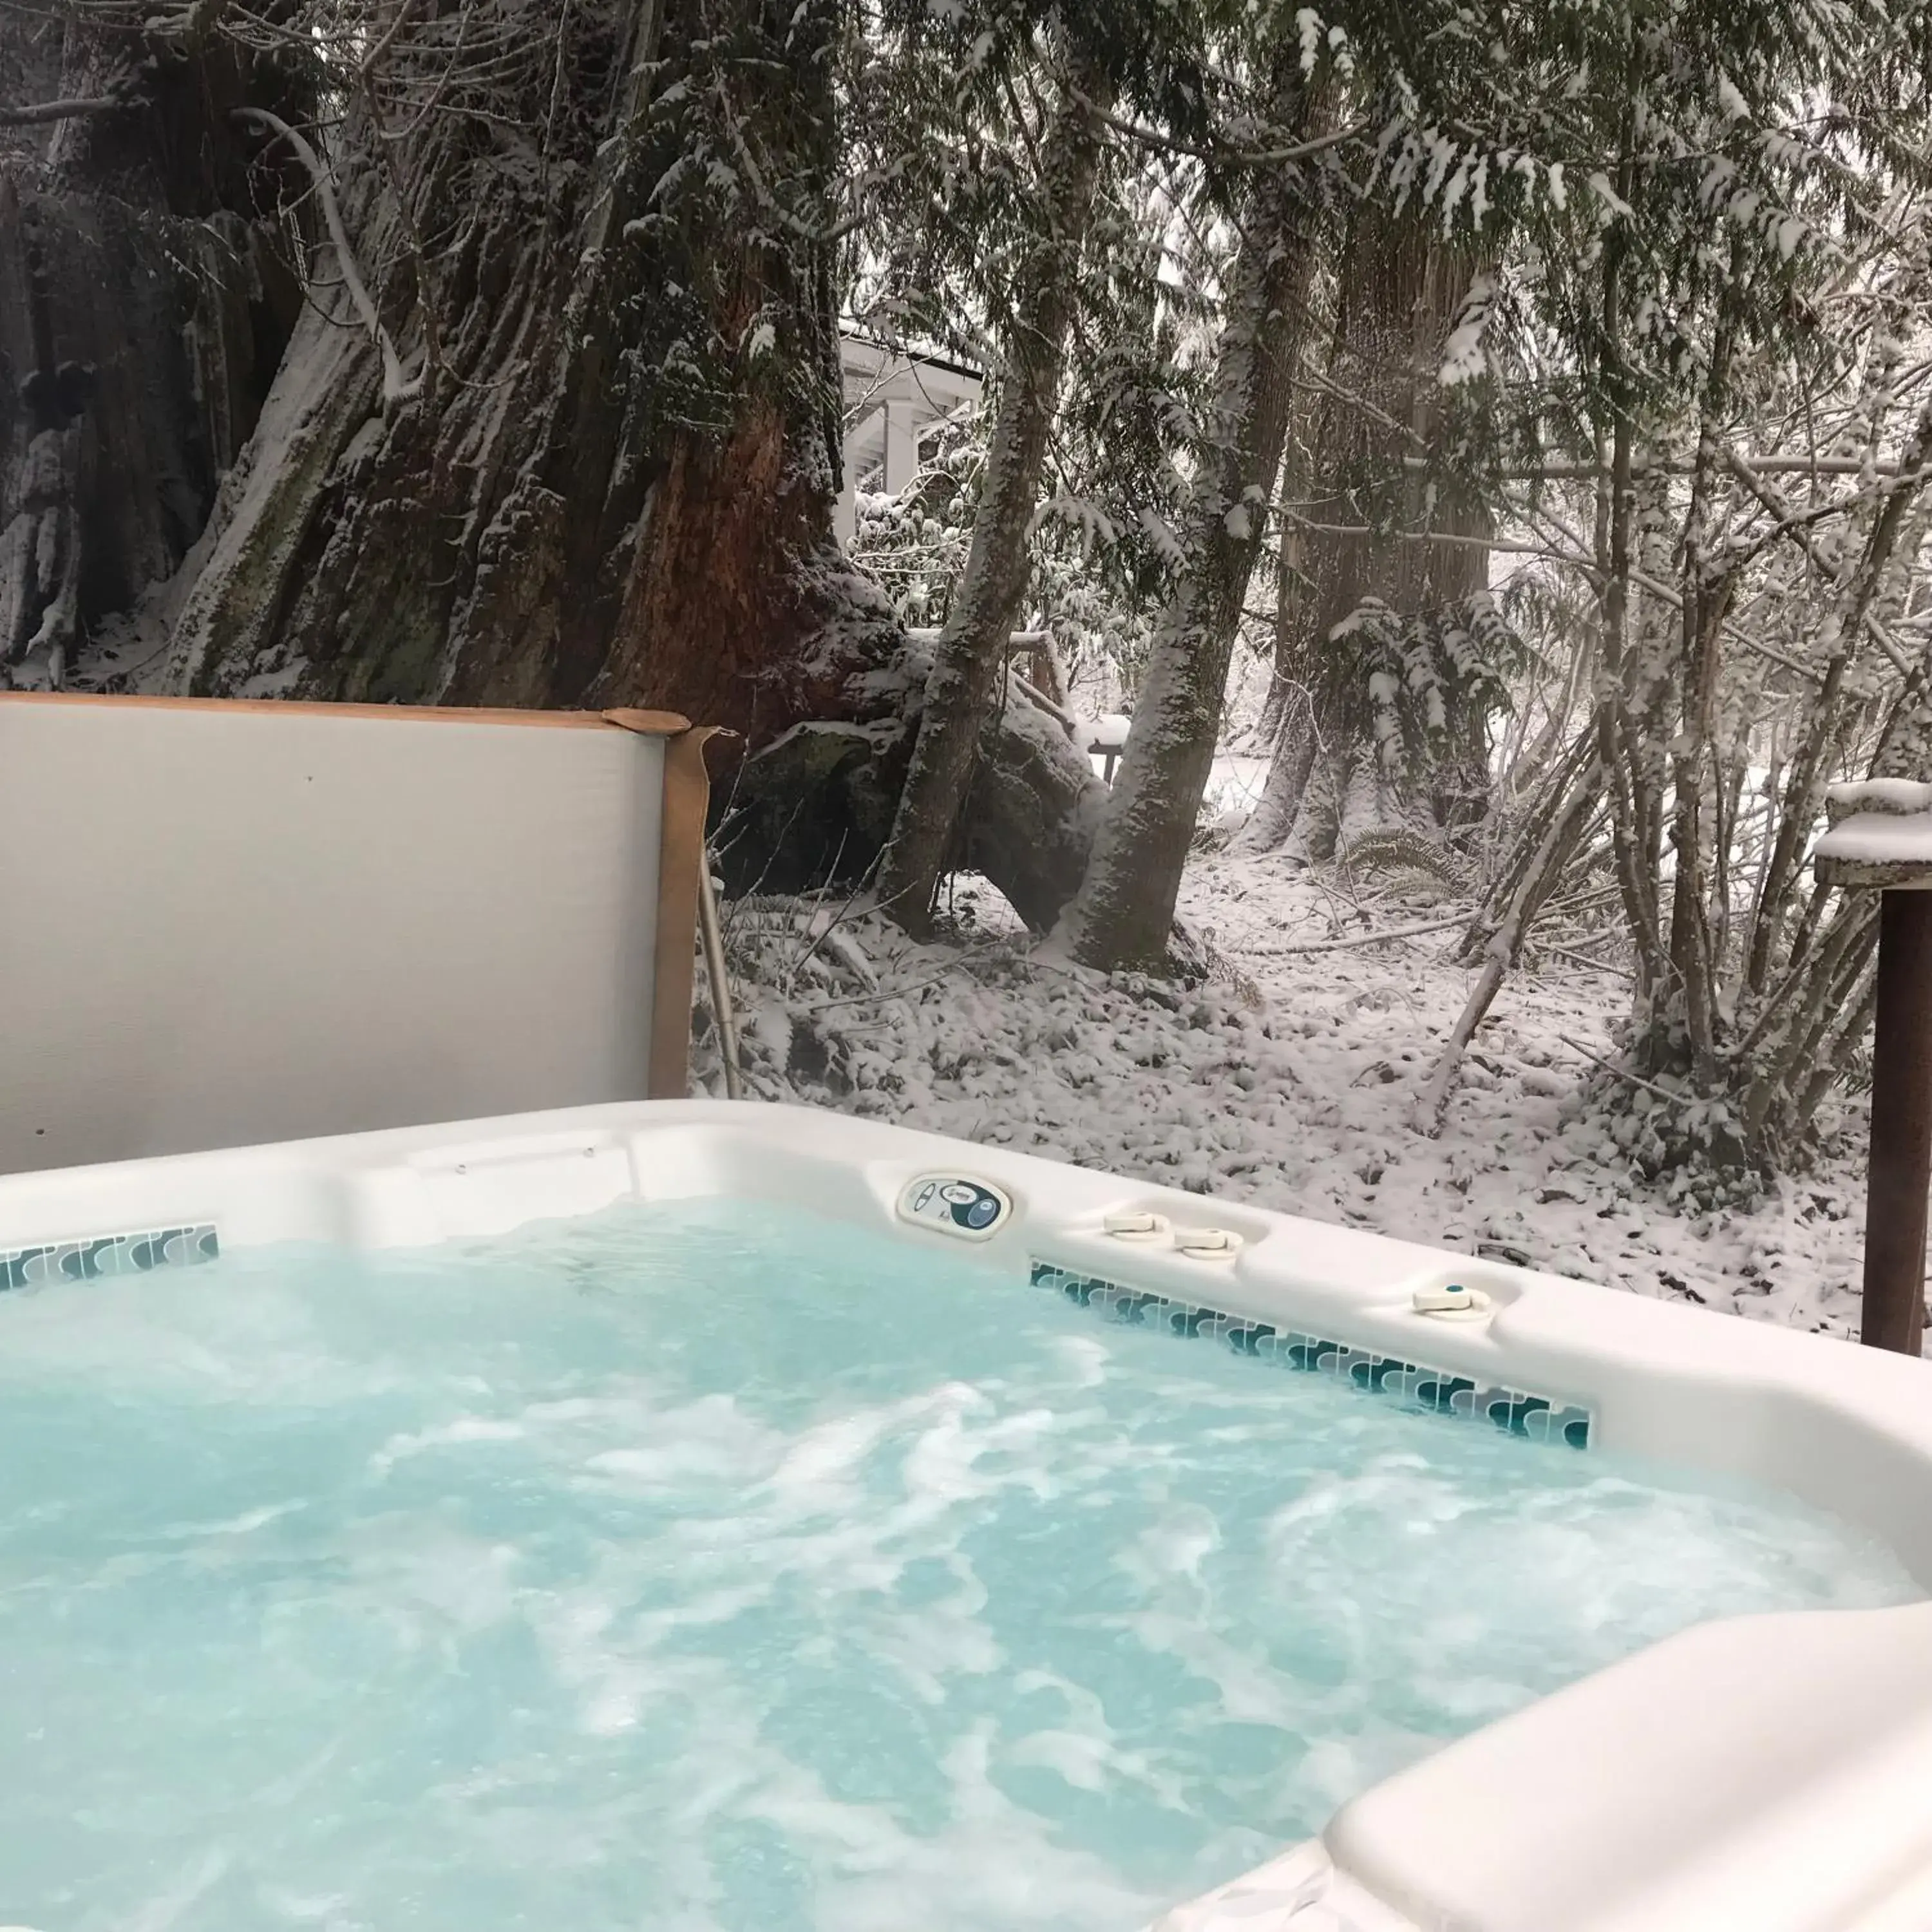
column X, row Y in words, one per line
column 954, row 1203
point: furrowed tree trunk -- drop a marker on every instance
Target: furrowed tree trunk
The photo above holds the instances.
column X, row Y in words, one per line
column 969, row 659
column 1290, row 732
column 145, row 298
column 568, row 503
column 1364, row 540
column 1124, row 911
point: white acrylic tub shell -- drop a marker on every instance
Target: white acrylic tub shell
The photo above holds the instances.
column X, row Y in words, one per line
column 1759, row 1775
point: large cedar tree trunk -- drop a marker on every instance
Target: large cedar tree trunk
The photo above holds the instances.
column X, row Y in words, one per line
column 607, row 477
column 146, row 293
column 1372, row 424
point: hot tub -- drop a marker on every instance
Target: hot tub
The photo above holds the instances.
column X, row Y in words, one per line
column 1771, row 1771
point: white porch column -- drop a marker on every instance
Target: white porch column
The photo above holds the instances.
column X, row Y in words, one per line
column 901, row 448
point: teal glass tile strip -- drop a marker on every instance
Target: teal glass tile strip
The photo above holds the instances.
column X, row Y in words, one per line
column 108, row 1255
column 1540, row 1418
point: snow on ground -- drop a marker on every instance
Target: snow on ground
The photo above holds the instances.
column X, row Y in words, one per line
column 1288, row 1080
column 1234, row 782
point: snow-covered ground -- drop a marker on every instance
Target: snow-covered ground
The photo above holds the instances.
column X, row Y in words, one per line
column 1289, row 1080
column 1234, row 783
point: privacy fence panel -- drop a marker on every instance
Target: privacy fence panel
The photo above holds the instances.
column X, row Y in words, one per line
column 228, row 922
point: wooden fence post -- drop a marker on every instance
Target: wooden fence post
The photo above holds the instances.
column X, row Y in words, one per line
column 1881, row 839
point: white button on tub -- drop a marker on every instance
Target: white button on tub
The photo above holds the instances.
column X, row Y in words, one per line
column 1136, row 1225
column 1208, row 1244
column 1452, row 1303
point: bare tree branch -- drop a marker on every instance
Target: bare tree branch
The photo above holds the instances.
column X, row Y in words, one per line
column 374, row 58
column 1352, row 940
column 36, row 113
column 1551, row 553
column 203, row 17
column 395, row 388
column 1253, row 157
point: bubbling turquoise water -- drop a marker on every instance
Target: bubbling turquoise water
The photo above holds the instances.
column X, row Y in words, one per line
column 700, row 1569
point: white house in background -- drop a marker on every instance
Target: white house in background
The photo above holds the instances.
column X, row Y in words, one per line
column 891, row 398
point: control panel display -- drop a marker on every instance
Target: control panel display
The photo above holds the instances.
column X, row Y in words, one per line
column 954, row 1203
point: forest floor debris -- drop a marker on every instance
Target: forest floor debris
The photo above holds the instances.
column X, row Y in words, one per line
column 1288, row 1080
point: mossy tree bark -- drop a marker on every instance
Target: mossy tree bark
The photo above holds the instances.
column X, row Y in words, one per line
column 607, row 475
column 146, row 294
column 1374, row 537
column 970, row 660
column 1124, row 913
